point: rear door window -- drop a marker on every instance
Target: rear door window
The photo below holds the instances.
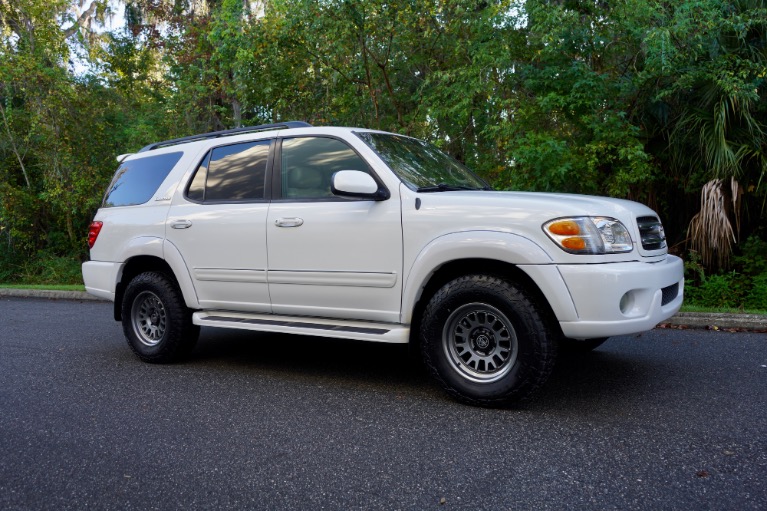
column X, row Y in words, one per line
column 232, row 173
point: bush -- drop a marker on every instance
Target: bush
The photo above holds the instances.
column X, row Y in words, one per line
column 743, row 288
column 52, row 269
column 718, row 291
column 757, row 296
column 752, row 260
column 8, row 266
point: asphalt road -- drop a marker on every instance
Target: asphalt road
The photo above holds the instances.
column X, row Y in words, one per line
column 671, row 419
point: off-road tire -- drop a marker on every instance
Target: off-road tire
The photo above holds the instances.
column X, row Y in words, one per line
column 156, row 322
column 485, row 341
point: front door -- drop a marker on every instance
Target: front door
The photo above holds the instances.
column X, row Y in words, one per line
column 330, row 256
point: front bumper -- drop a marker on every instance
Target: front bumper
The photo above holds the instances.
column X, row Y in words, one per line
column 622, row 298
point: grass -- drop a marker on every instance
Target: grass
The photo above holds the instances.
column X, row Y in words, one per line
column 721, row 310
column 46, row 287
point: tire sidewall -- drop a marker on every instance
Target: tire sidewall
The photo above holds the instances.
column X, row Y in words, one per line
column 179, row 336
column 532, row 339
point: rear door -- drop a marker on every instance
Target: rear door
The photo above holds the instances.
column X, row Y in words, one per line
column 218, row 225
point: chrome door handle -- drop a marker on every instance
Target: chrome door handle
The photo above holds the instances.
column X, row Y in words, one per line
column 289, row 222
column 181, row 224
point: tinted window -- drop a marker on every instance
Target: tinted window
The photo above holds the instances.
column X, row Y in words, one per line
column 232, row 173
column 422, row 166
column 309, row 163
column 137, row 180
column 196, row 190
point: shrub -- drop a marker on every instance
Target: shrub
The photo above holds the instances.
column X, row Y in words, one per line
column 48, row 268
column 719, row 291
column 757, row 296
column 753, row 257
column 743, row 288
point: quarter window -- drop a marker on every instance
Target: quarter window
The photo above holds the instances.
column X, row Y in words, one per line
column 137, row 180
column 232, row 173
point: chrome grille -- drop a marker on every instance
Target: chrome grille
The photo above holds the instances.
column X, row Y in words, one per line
column 652, row 233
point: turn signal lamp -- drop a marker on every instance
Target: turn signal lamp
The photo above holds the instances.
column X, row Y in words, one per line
column 574, row 244
column 564, row 228
column 589, row 235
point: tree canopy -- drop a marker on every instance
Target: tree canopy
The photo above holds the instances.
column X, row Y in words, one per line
column 642, row 99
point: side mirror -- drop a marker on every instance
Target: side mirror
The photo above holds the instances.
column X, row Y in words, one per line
column 356, row 184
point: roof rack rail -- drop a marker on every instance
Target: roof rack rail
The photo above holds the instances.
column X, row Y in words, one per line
column 226, row 133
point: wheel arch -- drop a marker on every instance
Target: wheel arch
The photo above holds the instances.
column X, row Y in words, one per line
column 509, row 256
column 144, row 263
column 451, row 270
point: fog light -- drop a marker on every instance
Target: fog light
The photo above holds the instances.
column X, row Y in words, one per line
column 627, row 302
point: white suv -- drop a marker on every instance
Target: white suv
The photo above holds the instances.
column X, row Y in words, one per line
column 362, row 234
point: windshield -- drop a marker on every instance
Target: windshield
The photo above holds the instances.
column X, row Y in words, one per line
column 421, row 166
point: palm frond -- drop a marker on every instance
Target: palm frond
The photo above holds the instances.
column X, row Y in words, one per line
column 710, row 230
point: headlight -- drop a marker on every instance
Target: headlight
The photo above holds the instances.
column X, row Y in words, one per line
column 589, row 235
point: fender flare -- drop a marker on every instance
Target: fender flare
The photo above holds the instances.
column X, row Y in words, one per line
column 161, row 249
column 176, row 262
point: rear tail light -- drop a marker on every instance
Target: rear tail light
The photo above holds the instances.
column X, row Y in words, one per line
column 93, row 233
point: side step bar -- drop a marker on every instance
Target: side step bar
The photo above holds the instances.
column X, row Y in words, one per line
column 320, row 327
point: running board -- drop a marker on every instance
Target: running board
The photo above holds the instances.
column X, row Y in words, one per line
column 320, row 327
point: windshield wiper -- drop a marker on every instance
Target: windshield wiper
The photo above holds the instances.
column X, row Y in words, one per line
column 444, row 187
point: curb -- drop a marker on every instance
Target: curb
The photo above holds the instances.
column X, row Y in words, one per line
column 49, row 294
column 716, row 321
column 711, row 321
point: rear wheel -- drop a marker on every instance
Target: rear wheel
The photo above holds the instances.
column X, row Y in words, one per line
column 485, row 341
column 156, row 322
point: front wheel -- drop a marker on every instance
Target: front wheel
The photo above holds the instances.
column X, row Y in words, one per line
column 485, row 341
column 156, row 322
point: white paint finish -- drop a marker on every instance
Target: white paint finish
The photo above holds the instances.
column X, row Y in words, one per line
column 143, row 246
column 518, row 213
column 128, row 231
column 552, row 285
column 239, row 298
column 490, row 245
column 100, row 278
column 354, row 182
column 338, row 261
column 225, row 244
column 597, row 291
column 178, row 265
column 363, row 303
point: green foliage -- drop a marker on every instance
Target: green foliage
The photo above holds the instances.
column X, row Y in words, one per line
column 745, row 287
column 641, row 99
column 48, row 268
column 720, row 291
column 752, row 260
column 757, row 296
